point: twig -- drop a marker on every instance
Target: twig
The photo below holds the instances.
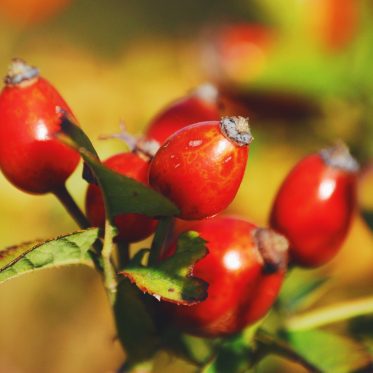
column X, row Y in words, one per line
column 110, row 279
column 72, row 208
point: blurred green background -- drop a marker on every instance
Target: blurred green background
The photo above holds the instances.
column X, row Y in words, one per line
column 303, row 76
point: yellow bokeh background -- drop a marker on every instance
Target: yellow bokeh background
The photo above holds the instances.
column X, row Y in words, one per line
column 59, row 320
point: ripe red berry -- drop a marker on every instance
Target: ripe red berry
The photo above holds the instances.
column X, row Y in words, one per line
column 238, row 53
column 200, row 167
column 334, row 22
column 131, row 227
column 244, row 268
column 315, row 205
column 30, row 157
column 201, row 105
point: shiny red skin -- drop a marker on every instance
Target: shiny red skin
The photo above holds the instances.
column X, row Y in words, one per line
column 313, row 209
column 239, row 292
column 199, row 169
column 234, row 39
column 131, row 227
column 30, row 157
column 179, row 114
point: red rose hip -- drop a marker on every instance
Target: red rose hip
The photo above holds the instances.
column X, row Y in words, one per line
column 131, row 227
column 200, row 167
column 30, row 157
column 201, row 105
column 315, row 205
column 245, row 268
column 335, row 23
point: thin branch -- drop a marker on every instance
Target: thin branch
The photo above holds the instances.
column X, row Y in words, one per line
column 110, row 279
column 72, row 208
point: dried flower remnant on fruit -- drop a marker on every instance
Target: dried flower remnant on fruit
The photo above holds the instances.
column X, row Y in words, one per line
column 147, row 147
column 339, row 156
column 20, row 72
column 272, row 248
column 237, row 129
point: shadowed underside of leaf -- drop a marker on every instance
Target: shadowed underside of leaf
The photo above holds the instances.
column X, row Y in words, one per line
column 135, row 326
column 65, row 250
column 171, row 279
column 122, row 194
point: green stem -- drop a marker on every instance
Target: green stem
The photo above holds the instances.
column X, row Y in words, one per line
column 159, row 239
column 110, row 279
column 72, row 208
column 331, row 314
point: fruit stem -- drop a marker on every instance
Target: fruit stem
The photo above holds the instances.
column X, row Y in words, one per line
column 331, row 314
column 70, row 205
column 110, row 278
column 159, row 239
column 272, row 248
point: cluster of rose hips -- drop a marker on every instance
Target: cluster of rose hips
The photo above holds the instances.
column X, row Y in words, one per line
column 199, row 162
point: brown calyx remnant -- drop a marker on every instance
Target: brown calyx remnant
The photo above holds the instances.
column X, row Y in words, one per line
column 273, row 249
column 237, row 129
column 338, row 156
column 21, row 74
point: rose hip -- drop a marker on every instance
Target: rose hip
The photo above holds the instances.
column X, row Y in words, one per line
column 200, row 168
column 315, row 205
column 245, row 268
column 31, row 157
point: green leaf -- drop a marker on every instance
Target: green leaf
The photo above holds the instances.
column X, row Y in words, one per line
column 121, row 194
column 300, row 290
column 135, row 326
column 329, row 352
column 171, row 279
column 76, row 135
column 64, row 250
column 270, row 344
